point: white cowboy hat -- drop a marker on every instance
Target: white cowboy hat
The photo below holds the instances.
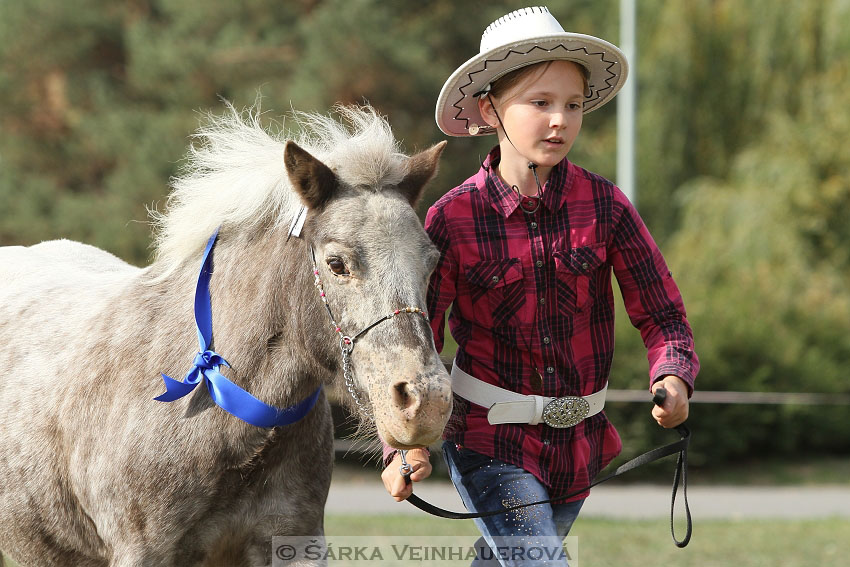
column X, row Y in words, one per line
column 524, row 37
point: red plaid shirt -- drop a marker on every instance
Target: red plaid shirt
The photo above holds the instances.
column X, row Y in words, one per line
column 532, row 309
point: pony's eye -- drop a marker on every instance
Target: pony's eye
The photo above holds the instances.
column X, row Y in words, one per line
column 337, row 266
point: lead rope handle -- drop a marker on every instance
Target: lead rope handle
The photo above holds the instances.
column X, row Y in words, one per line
column 681, row 473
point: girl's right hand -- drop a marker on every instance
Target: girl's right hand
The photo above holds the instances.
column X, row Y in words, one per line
column 394, row 482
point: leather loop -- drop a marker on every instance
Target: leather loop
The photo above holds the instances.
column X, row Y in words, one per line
column 679, row 447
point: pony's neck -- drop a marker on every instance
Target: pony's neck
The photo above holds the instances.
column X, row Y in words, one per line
column 267, row 318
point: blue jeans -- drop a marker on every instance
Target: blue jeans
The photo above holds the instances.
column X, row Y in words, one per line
column 523, row 537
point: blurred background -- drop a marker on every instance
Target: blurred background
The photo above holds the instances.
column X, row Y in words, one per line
column 743, row 166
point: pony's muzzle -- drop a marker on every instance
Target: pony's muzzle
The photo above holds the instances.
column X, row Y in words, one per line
column 419, row 410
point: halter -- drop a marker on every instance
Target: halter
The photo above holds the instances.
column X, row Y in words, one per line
column 346, row 342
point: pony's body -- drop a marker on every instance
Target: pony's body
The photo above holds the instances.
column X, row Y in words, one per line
column 94, row 472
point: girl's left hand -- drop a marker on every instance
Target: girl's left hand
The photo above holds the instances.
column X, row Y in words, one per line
column 675, row 408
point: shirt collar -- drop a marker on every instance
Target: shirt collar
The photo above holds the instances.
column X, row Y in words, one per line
column 505, row 200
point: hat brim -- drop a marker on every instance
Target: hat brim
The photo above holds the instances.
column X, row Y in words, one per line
column 457, row 108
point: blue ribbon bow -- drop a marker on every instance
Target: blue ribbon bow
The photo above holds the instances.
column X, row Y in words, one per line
column 227, row 395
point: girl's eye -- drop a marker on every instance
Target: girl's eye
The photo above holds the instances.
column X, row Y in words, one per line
column 576, row 106
column 538, row 102
column 337, row 266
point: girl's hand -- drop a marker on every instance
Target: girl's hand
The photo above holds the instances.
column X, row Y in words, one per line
column 395, row 484
column 675, row 408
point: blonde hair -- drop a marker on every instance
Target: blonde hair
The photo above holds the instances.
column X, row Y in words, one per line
column 510, row 80
column 234, row 174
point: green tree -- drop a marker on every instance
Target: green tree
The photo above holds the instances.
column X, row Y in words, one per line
column 742, row 167
column 99, row 100
column 751, row 136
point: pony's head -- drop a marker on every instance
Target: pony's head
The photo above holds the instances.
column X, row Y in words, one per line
column 361, row 235
column 372, row 262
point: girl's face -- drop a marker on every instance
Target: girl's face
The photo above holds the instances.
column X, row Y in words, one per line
column 542, row 115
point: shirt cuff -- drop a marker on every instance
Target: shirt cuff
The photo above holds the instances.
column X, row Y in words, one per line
column 677, row 371
column 389, row 454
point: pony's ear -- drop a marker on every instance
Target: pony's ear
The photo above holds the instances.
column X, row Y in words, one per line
column 420, row 169
column 312, row 179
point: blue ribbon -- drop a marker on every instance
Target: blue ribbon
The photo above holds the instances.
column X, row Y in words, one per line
column 227, row 395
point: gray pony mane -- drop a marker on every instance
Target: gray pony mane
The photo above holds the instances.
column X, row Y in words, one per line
column 234, row 175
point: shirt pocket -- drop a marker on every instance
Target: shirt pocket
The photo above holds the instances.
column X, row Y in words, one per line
column 496, row 286
column 576, row 272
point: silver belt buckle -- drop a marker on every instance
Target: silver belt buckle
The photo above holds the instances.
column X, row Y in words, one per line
column 565, row 412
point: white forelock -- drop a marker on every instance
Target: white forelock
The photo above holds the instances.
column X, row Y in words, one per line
column 235, row 175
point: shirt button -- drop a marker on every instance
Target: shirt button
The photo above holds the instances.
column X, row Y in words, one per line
column 546, row 340
column 547, row 442
column 542, row 300
column 550, row 370
column 585, row 266
column 539, row 263
column 495, row 279
column 533, row 224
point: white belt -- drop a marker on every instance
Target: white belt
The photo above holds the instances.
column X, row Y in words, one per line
column 510, row 407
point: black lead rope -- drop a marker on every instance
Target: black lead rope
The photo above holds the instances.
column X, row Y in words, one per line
column 679, row 447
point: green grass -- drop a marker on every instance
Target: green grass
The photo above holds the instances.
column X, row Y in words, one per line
column 620, row 543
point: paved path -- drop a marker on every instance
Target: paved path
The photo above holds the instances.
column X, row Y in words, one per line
column 625, row 501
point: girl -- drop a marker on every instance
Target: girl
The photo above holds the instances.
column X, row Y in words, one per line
column 527, row 247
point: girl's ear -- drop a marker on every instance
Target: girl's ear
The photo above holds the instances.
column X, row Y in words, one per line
column 485, row 107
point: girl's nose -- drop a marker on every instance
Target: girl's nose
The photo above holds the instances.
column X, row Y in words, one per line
column 557, row 120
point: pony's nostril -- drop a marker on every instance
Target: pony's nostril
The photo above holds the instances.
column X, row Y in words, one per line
column 404, row 396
